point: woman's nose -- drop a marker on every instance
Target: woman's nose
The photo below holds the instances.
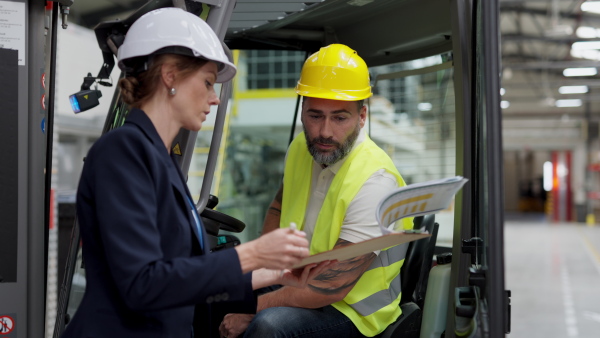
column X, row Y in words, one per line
column 214, row 99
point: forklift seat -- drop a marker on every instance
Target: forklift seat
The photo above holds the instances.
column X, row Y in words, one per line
column 414, row 275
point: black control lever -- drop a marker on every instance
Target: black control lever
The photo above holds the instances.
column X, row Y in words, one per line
column 473, row 246
column 215, row 221
column 212, row 201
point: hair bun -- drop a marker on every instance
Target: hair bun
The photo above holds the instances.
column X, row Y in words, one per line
column 129, row 89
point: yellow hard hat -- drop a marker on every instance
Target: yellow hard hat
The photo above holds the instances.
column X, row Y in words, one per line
column 335, row 72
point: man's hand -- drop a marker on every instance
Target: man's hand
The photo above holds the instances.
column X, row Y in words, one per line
column 328, row 286
column 234, row 324
column 300, row 277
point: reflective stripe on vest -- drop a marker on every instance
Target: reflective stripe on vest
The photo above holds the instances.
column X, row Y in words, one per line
column 389, row 256
column 383, row 298
column 376, row 294
column 379, row 299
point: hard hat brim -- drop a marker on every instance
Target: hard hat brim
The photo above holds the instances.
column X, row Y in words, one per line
column 332, row 94
column 227, row 73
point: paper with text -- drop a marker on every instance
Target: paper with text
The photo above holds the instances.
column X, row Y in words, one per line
column 416, row 200
column 408, row 201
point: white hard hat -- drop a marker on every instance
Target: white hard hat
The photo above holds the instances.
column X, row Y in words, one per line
column 174, row 27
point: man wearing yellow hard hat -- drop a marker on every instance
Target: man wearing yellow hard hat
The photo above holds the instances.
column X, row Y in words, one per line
column 334, row 177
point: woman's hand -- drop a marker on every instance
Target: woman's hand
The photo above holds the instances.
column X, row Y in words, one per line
column 279, row 249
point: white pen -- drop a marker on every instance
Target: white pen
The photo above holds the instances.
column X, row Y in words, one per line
column 293, row 227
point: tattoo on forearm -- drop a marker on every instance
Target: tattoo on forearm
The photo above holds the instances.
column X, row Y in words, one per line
column 333, row 291
column 342, row 242
column 355, row 265
column 343, row 275
column 274, row 211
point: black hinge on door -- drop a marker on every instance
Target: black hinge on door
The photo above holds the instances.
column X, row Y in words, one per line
column 471, row 317
column 477, row 276
column 474, row 247
column 507, row 311
column 477, row 273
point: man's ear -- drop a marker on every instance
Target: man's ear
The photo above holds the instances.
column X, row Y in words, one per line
column 363, row 115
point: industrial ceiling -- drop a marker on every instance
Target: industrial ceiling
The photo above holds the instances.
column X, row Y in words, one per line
column 536, row 40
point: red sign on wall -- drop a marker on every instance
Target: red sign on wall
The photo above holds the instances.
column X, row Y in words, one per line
column 7, row 324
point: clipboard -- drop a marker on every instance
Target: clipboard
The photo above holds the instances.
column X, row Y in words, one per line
column 408, row 201
column 361, row 248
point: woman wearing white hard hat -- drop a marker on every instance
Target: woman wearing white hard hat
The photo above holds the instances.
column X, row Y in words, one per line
column 146, row 259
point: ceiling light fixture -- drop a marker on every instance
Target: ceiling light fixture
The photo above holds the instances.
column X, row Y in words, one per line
column 504, row 104
column 568, row 103
column 589, row 54
column 587, row 71
column 573, row 89
column 591, row 6
column 587, row 32
column 585, row 45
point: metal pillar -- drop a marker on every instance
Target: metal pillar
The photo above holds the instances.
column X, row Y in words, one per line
column 23, row 149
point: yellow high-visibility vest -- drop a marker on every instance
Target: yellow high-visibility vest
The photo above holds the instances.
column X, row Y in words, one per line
column 373, row 303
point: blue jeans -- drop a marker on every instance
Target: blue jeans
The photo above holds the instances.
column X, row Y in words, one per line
column 280, row 322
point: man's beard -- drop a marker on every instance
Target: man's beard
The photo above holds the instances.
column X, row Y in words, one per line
column 329, row 158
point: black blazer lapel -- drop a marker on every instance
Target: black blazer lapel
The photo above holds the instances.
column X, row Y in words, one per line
column 142, row 121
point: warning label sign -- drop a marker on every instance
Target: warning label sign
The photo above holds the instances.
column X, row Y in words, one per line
column 7, row 325
column 177, row 149
column 12, row 27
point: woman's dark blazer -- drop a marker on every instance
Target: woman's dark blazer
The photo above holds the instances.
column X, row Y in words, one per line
column 145, row 269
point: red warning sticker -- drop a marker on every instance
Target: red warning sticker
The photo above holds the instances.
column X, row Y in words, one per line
column 7, row 324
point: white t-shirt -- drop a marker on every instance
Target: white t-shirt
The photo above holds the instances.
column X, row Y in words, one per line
column 360, row 222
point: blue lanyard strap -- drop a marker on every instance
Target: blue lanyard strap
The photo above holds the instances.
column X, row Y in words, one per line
column 197, row 219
